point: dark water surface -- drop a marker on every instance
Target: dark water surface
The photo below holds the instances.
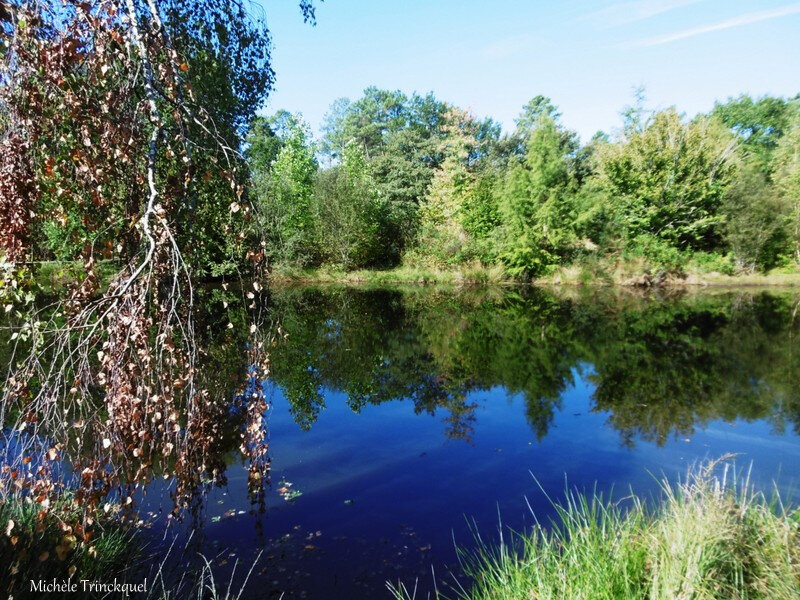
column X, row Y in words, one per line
column 405, row 418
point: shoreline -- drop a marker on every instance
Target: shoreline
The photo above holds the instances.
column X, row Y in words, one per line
column 57, row 275
column 491, row 277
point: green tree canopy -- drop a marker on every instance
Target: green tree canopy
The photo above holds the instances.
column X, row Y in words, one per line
column 759, row 123
column 534, row 200
column 667, row 180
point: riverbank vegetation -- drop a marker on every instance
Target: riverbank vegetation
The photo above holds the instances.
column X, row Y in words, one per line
column 412, row 183
column 710, row 536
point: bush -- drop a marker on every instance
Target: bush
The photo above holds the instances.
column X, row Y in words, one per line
column 658, row 253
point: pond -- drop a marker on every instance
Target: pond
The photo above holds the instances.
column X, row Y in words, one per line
column 405, row 423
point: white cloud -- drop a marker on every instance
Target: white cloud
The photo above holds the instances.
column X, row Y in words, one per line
column 746, row 19
column 636, row 10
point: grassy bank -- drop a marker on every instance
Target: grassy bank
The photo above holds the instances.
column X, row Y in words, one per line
column 469, row 275
column 708, row 537
column 630, row 274
column 54, row 277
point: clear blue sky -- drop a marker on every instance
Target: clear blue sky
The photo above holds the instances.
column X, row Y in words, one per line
column 491, row 56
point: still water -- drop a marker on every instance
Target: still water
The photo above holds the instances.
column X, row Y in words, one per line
column 405, row 422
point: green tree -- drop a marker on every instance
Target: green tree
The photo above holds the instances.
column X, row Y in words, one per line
column 263, row 144
column 755, row 218
column 399, row 137
column 369, row 121
column 537, row 107
column 787, row 179
column 348, row 212
column 534, row 201
column 284, row 195
column 443, row 232
column 666, row 180
column 759, row 123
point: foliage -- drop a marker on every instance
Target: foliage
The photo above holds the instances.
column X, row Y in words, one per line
column 759, row 123
column 534, row 203
column 442, row 232
column 349, row 214
column 28, row 538
column 756, row 219
column 667, row 180
column 450, row 190
column 284, row 190
column 121, row 135
column 399, row 136
column 787, row 180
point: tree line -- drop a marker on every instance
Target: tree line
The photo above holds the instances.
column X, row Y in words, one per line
column 397, row 179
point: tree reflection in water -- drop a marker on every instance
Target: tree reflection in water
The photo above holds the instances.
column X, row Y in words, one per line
column 660, row 366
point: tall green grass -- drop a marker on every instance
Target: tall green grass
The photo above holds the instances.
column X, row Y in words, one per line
column 711, row 536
